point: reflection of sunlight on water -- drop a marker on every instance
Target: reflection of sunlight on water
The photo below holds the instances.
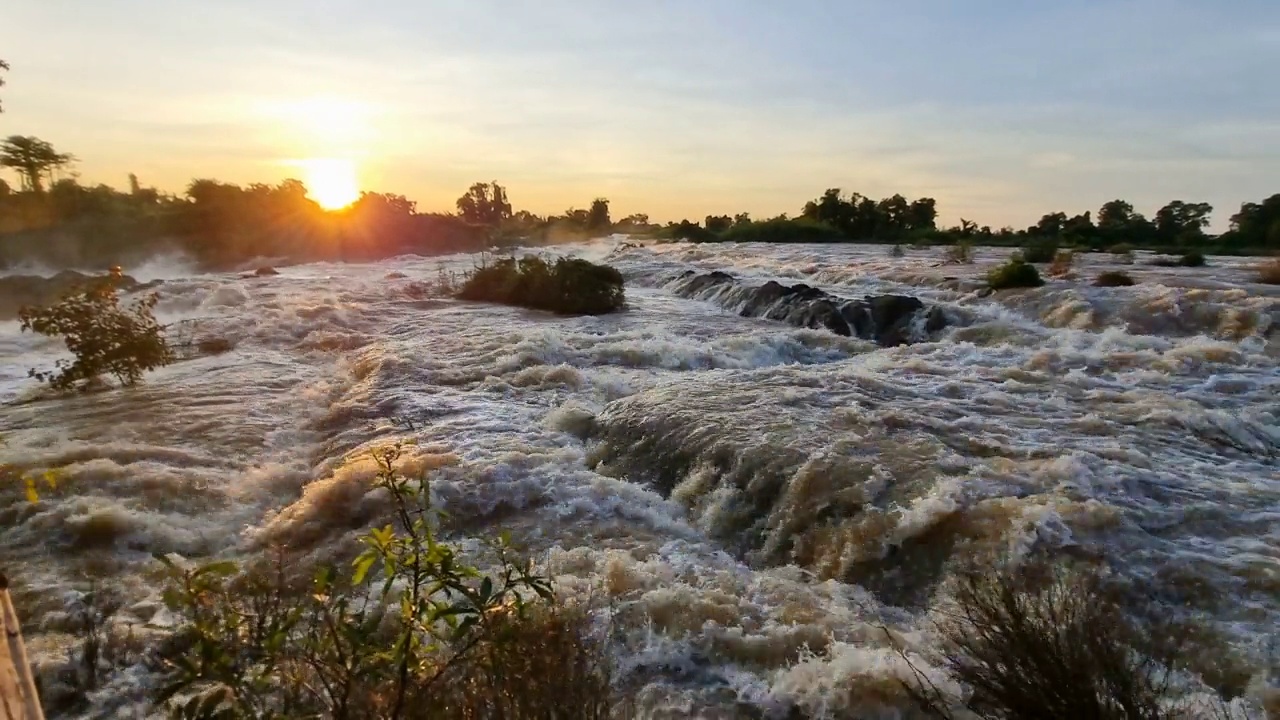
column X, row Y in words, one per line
column 1019, row 429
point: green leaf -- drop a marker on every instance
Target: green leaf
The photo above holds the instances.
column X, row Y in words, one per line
column 362, row 566
column 465, row 627
column 486, row 590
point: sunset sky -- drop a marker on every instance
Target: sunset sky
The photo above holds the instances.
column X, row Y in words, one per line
column 1001, row 109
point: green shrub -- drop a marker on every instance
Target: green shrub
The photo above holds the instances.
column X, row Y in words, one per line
column 104, row 337
column 1017, row 273
column 1040, row 250
column 1121, row 249
column 1113, row 278
column 412, row 631
column 569, row 286
column 959, row 254
column 1194, row 258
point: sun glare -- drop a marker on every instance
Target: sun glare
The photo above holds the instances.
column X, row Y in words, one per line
column 331, row 181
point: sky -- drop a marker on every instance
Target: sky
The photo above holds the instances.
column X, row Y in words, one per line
column 1003, row 110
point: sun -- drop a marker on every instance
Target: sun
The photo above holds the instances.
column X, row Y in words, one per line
column 331, row 182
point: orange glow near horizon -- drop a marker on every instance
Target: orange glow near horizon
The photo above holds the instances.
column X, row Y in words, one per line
column 332, row 182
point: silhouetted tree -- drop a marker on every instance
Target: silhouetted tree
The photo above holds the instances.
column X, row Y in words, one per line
column 894, row 217
column 717, row 223
column 33, row 158
column 923, row 214
column 1257, row 225
column 3, row 66
column 1080, row 229
column 575, row 217
column 1115, row 215
column 1049, row 226
column 862, row 218
column 485, row 204
column 1183, row 222
column 598, row 216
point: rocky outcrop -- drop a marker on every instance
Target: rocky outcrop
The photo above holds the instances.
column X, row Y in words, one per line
column 889, row 320
column 17, row 291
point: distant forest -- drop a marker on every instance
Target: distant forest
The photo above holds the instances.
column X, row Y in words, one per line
column 835, row 217
column 52, row 218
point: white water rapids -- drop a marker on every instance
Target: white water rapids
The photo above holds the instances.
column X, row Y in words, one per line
column 765, row 497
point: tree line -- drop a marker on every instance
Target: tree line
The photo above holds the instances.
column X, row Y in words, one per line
column 836, row 217
column 52, row 217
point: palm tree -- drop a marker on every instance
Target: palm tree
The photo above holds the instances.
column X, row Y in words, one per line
column 33, row 158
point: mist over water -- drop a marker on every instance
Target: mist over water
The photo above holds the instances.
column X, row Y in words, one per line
column 758, row 501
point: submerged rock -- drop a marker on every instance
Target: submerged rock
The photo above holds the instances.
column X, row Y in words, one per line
column 266, row 271
column 17, row 291
column 889, row 320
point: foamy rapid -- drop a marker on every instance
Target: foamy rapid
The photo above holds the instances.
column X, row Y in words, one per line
column 759, row 502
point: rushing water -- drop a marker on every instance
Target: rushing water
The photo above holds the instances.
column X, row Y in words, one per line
column 766, row 497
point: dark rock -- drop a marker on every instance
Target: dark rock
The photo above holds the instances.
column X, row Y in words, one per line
column 937, row 320
column 700, row 283
column 887, row 319
column 891, row 317
column 265, row 271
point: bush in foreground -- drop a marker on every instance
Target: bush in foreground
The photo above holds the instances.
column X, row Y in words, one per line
column 1052, row 642
column 1113, row 278
column 412, row 631
column 104, row 336
column 569, row 286
column 1017, row 273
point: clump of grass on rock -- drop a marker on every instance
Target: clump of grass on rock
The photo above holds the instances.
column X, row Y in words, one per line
column 1040, row 250
column 1017, row 273
column 1043, row 641
column 1113, row 278
column 1269, row 272
column 568, row 286
column 1195, row 258
column 1062, row 264
column 959, row 254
